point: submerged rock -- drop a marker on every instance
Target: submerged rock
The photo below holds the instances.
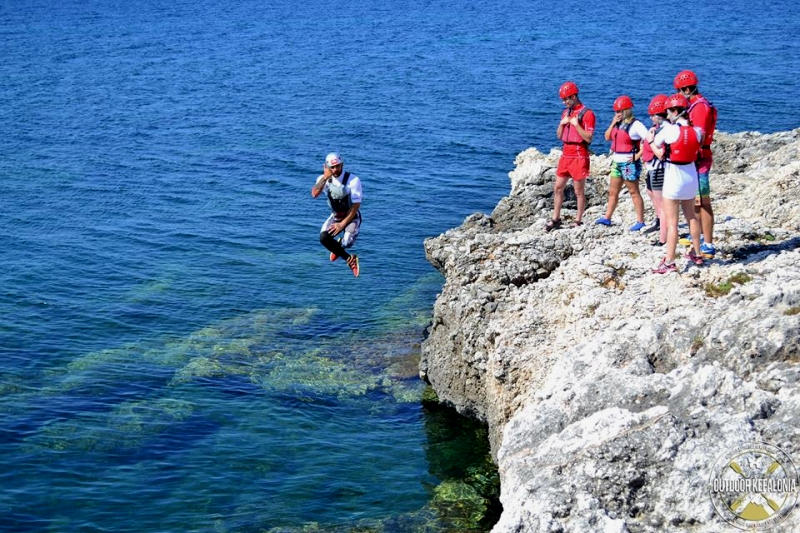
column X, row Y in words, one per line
column 610, row 391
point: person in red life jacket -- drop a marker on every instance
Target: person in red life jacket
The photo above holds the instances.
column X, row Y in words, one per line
column 575, row 130
column 625, row 133
column 677, row 145
column 703, row 115
column 344, row 194
column 655, row 166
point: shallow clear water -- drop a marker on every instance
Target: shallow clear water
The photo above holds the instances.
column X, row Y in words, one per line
column 177, row 351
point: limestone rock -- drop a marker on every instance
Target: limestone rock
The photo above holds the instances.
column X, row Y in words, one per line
column 610, row 391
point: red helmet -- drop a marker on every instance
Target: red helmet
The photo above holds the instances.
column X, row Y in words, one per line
column 568, row 88
column 658, row 104
column 684, row 78
column 677, row 100
column 623, row 102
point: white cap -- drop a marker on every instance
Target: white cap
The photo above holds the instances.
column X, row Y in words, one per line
column 333, row 159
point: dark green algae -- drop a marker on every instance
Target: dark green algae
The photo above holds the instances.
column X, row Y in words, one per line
column 241, row 353
column 468, row 497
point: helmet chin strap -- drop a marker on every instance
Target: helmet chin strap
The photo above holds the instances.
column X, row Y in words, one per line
column 574, row 104
column 677, row 116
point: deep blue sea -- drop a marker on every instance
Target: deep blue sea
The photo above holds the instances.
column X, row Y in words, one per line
column 176, row 351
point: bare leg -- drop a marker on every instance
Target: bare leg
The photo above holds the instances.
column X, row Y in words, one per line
column 706, row 214
column 694, row 224
column 613, row 196
column 651, row 195
column 580, row 193
column 638, row 203
column 670, row 211
column 558, row 196
column 658, row 202
column 652, row 201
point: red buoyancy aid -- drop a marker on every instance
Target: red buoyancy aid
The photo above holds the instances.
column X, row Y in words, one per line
column 711, row 119
column 570, row 134
column 621, row 142
column 647, row 150
column 647, row 153
column 684, row 150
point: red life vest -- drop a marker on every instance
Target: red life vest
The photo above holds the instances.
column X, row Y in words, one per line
column 647, row 150
column 711, row 120
column 621, row 142
column 647, row 153
column 684, row 150
column 570, row 134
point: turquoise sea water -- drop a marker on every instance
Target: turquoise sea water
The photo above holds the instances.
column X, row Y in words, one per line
column 176, row 351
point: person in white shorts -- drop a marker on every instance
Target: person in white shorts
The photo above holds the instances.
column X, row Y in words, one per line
column 677, row 144
column 345, row 195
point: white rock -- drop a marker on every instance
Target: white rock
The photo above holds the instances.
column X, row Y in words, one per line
column 610, row 391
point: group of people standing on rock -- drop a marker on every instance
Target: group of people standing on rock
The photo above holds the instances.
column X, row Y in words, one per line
column 675, row 149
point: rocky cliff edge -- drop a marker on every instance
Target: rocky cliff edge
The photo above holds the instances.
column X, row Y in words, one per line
column 610, row 391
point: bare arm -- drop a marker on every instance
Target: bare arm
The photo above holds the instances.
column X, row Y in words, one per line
column 560, row 129
column 585, row 135
column 614, row 121
column 320, row 184
column 657, row 150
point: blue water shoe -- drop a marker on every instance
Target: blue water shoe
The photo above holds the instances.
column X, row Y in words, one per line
column 708, row 251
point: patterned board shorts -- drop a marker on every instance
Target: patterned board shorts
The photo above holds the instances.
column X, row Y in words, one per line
column 628, row 171
column 704, row 190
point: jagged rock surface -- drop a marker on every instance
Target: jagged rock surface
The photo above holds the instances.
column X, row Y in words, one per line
column 610, row 391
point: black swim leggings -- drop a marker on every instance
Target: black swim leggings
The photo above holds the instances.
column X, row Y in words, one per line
column 332, row 244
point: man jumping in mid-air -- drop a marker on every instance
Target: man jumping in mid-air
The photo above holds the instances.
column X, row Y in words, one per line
column 344, row 197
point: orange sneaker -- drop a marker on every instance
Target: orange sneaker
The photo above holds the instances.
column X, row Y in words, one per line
column 334, row 257
column 353, row 264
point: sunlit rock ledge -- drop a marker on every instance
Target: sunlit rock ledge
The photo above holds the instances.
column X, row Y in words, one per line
column 610, row 391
